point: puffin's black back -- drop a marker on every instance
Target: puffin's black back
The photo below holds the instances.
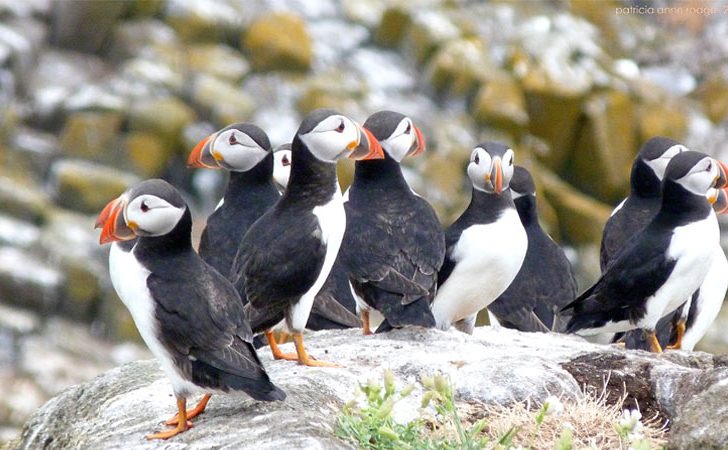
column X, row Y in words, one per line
column 545, row 282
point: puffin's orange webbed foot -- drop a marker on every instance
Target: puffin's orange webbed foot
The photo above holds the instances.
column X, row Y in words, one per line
column 680, row 330
column 366, row 330
column 182, row 423
column 303, row 357
column 276, row 351
column 191, row 413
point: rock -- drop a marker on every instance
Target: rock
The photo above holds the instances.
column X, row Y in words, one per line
column 22, row 200
column 607, row 142
column 663, row 118
column 331, row 90
column 500, row 103
column 114, row 320
column 221, row 61
column 36, row 147
column 427, row 32
column 581, row 218
column 460, row 66
column 91, row 135
column 70, row 24
column 271, row 49
column 85, row 186
column 493, row 366
column 147, row 153
column 18, row 233
column 165, row 117
column 143, row 37
column 160, row 72
column 225, row 102
column 703, row 420
column 27, row 281
column 393, row 26
column 21, row 40
column 209, row 21
column 713, row 93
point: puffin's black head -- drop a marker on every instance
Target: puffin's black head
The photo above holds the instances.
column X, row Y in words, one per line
column 657, row 153
column 522, row 183
column 491, row 167
column 282, row 165
column 397, row 133
column 696, row 172
column 238, row 147
column 329, row 136
column 149, row 208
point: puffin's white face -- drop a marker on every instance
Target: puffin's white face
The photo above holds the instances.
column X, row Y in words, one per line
column 334, row 137
column 701, row 177
column 149, row 215
column 490, row 174
column 282, row 167
column 235, row 150
column 658, row 165
column 402, row 141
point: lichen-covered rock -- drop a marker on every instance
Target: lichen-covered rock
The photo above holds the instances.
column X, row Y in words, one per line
column 713, row 93
column 71, row 24
column 213, row 21
column 36, row 147
column 23, row 200
column 460, row 66
column 428, row 31
column 27, row 281
column 500, row 103
column 85, row 186
column 221, row 61
column 393, row 26
column 278, row 41
column 494, row 365
column 581, row 218
column 225, row 102
column 601, row 160
column 136, row 37
column 662, row 118
column 165, row 118
column 702, row 423
column 147, row 154
column 91, row 135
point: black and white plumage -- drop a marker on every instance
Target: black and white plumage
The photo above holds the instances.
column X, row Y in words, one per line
column 644, row 199
column 393, row 246
column 286, row 256
column 244, row 150
column 188, row 314
column 662, row 265
column 545, row 282
column 486, row 245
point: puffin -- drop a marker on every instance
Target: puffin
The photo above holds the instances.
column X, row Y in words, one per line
column 286, row 256
column 188, row 314
column 643, row 201
column 545, row 283
column 663, row 264
column 686, row 326
column 242, row 149
column 282, row 166
column 394, row 244
column 486, row 245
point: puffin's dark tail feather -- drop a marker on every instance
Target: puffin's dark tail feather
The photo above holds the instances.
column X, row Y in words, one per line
column 581, row 321
column 259, row 341
column 397, row 315
column 257, row 386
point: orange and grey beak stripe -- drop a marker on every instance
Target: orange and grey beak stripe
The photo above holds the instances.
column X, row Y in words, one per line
column 201, row 157
column 368, row 147
column 112, row 223
column 418, row 146
column 497, row 175
column 722, row 181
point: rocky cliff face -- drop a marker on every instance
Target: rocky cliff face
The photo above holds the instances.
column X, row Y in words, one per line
column 117, row 409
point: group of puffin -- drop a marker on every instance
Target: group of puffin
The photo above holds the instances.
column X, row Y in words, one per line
column 285, row 250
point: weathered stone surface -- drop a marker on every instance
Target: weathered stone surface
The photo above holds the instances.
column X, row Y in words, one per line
column 27, row 281
column 90, row 135
column 270, row 49
column 216, row 20
column 221, row 61
column 165, row 117
column 601, row 160
column 713, row 92
column 663, row 118
column 85, row 186
column 500, row 103
column 393, row 26
column 147, row 153
column 460, row 66
column 494, row 365
column 225, row 102
column 22, row 200
column 703, row 421
column 71, row 23
column 36, row 147
column 427, row 32
column 142, row 37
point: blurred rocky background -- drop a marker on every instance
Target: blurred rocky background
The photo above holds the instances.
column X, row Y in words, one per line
column 95, row 95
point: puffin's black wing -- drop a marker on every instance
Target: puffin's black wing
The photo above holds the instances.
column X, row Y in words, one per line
column 629, row 220
column 393, row 256
column 298, row 250
column 334, row 307
column 201, row 319
column 452, row 236
column 620, row 294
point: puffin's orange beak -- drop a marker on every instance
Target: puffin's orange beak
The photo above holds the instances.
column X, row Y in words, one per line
column 722, row 181
column 497, row 175
column 112, row 223
column 368, row 146
column 201, row 157
column 719, row 199
column 419, row 145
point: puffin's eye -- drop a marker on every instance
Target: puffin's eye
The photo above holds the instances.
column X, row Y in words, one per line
column 340, row 128
column 144, row 207
column 510, row 162
column 477, row 159
column 408, row 129
column 233, row 140
column 710, row 166
column 285, row 161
